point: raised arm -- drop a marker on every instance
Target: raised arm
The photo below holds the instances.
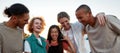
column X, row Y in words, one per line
column 70, row 48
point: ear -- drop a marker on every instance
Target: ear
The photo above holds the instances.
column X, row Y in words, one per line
column 89, row 14
column 14, row 19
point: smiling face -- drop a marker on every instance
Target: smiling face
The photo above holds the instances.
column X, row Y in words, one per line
column 65, row 23
column 22, row 20
column 54, row 34
column 37, row 25
column 83, row 17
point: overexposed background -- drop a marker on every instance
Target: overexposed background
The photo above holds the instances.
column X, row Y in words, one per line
column 50, row 8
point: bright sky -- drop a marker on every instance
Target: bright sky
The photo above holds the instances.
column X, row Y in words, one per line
column 50, row 8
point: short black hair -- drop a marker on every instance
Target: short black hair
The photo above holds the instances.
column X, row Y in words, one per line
column 62, row 14
column 16, row 9
column 84, row 6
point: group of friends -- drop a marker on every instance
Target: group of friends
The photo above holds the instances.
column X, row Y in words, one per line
column 103, row 32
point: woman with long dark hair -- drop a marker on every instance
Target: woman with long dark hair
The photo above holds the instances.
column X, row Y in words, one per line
column 56, row 43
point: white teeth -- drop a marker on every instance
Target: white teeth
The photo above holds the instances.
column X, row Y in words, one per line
column 38, row 27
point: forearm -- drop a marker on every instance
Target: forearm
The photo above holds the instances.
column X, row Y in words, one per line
column 72, row 48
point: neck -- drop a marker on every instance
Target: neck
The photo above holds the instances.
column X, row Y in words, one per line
column 92, row 21
column 36, row 34
column 54, row 43
column 11, row 24
column 54, row 40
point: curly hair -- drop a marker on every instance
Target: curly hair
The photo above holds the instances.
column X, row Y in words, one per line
column 30, row 29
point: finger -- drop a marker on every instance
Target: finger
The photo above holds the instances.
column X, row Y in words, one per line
column 99, row 20
column 103, row 20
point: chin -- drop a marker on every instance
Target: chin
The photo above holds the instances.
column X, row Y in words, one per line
column 37, row 32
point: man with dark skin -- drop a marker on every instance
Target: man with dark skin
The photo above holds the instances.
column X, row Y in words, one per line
column 103, row 39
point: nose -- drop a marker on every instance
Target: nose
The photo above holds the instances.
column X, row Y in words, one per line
column 65, row 24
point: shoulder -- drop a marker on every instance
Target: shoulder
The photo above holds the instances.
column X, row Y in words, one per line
column 111, row 18
column 28, row 38
column 2, row 25
column 2, row 28
column 77, row 25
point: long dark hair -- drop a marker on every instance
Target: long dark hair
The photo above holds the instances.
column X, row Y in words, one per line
column 60, row 36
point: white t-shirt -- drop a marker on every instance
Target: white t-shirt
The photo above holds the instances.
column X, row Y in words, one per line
column 27, row 45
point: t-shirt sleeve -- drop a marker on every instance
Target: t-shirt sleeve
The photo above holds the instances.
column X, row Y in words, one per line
column 65, row 45
column 114, row 23
column 27, row 46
